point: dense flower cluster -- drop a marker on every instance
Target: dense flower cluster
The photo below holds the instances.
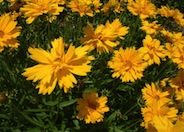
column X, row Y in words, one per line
column 160, row 113
column 129, row 53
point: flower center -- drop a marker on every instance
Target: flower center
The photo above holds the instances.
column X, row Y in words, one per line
column 1, row 34
column 92, row 105
column 59, row 64
column 156, row 97
column 128, row 64
column 44, row 8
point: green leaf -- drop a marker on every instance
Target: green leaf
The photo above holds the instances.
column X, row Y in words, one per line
column 4, row 116
column 36, row 110
column 67, row 103
column 50, row 103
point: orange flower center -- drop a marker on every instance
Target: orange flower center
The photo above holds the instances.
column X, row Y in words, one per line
column 92, row 105
column 156, row 97
column 59, row 64
column 128, row 64
column 44, row 8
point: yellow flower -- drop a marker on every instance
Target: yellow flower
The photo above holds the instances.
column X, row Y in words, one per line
column 164, row 82
column 152, row 51
column 1, row 1
column 152, row 95
column 150, row 28
column 83, row 7
column 181, row 117
column 117, row 28
column 155, row 110
column 178, row 127
column 57, row 66
column 177, row 39
column 165, row 11
column 127, row 64
column 143, row 8
column 180, row 95
column 178, row 57
column 178, row 17
column 168, row 35
column 178, row 84
column 91, row 107
column 34, row 8
column 169, row 48
column 163, row 124
column 101, row 38
column 115, row 4
column 8, row 32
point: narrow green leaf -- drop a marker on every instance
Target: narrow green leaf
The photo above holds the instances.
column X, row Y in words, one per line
column 36, row 110
column 67, row 103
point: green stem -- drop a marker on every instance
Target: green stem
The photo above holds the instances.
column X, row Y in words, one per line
column 129, row 109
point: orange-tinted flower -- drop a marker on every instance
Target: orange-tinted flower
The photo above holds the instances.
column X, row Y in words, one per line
column 91, row 107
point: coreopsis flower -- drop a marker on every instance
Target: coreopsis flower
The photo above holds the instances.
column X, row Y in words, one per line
column 34, row 8
column 165, row 11
column 57, row 66
column 178, row 84
column 178, row 127
column 150, row 28
column 177, row 39
column 8, row 32
column 84, row 7
column 117, row 28
column 178, row 17
column 143, row 8
column 169, row 48
column 152, row 94
column 180, row 95
column 115, row 4
column 155, row 110
column 102, row 38
column 164, row 82
column 178, row 57
column 91, row 107
column 97, row 5
column 127, row 64
column 163, row 124
column 181, row 117
column 152, row 51
column 168, row 35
